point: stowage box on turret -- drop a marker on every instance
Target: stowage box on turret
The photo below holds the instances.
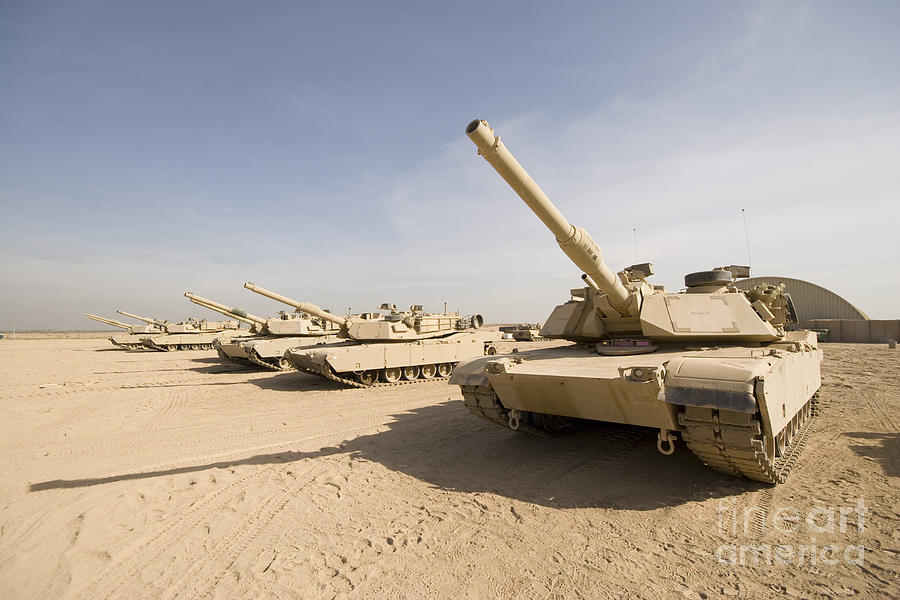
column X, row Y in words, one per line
column 715, row 364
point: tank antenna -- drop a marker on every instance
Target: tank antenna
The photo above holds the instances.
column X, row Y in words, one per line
column 634, row 232
column 747, row 238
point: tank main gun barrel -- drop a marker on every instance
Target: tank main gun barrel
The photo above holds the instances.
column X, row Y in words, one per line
column 304, row 306
column 230, row 315
column 111, row 322
column 574, row 241
column 229, row 311
column 144, row 319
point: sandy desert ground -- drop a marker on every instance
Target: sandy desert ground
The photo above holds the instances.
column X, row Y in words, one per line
column 170, row 475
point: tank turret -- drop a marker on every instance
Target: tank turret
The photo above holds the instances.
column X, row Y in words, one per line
column 616, row 305
column 191, row 325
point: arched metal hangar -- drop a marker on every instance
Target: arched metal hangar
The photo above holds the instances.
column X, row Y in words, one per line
column 811, row 301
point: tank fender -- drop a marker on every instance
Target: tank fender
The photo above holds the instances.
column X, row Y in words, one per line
column 714, row 382
column 472, row 372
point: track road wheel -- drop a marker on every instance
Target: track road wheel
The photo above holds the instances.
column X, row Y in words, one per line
column 444, row 369
column 368, row 377
column 411, row 372
column 284, row 363
column 392, row 375
column 428, row 371
column 781, row 443
column 791, row 431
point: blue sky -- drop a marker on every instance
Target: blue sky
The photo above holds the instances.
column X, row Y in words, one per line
column 318, row 149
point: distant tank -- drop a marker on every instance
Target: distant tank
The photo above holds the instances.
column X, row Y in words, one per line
column 524, row 332
column 269, row 337
column 193, row 334
column 130, row 340
column 386, row 349
column 713, row 363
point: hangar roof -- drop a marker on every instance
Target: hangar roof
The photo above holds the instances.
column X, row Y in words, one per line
column 810, row 300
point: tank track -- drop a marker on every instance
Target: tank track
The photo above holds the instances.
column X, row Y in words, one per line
column 729, row 442
column 131, row 346
column 236, row 360
column 254, row 358
column 483, row 402
column 732, row 442
column 176, row 347
column 342, row 378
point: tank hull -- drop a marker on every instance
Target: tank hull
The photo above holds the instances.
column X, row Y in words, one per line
column 265, row 351
column 230, row 350
column 188, row 341
column 739, row 408
column 268, row 352
column 366, row 364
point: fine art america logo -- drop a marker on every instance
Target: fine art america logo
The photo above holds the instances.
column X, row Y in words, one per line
column 797, row 529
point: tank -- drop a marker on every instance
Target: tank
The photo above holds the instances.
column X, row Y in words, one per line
column 391, row 348
column 130, row 340
column 524, row 332
column 713, row 364
column 192, row 334
column 269, row 337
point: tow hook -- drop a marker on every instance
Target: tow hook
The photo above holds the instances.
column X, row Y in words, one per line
column 515, row 417
column 665, row 442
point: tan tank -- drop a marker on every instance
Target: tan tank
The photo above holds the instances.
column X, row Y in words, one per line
column 714, row 364
column 386, row 349
column 524, row 332
column 130, row 340
column 269, row 337
column 192, row 334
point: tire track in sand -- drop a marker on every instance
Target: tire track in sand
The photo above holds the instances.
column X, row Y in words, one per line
column 120, row 572
column 147, row 553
